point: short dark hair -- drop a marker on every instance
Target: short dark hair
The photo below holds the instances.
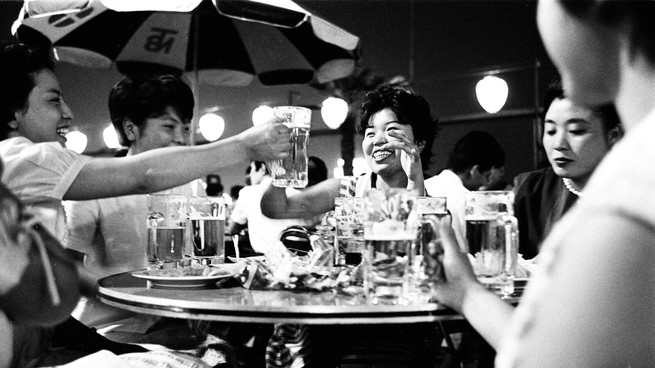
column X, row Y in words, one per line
column 637, row 16
column 18, row 63
column 606, row 113
column 317, row 170
column 476, row 148
column 214, row 185
column 258, row 166
column 410, row 109
column 138, row 97
column 234, row 191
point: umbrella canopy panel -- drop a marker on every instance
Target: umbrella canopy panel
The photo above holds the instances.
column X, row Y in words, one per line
column 221, row 49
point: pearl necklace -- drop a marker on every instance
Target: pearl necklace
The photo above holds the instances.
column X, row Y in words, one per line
column 570, row 186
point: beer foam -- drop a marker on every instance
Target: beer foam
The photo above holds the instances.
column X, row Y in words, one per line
column 387, row 230
column 298, row 125
column 482, row 217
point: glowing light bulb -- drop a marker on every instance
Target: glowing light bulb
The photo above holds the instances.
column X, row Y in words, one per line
column 211, row 126
column 492, row 93
column 76, row 141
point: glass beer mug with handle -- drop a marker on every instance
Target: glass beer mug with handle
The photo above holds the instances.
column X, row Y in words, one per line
column 166, row 230
column 492, row 235
column 292, row 170
column 390, row 228
column 427, row 266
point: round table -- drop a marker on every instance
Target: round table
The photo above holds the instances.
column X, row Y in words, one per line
column 237, row 304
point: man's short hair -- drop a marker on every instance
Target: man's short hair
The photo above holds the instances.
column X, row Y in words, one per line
column 139, row 97
column 476, row 148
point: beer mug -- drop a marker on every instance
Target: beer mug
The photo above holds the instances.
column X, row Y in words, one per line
column 390, row 227
column 206, row 226
column 166, row 230
column 492, row 236
column 292, row 170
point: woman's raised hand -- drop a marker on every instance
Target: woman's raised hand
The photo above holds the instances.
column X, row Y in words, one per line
column 410, row 158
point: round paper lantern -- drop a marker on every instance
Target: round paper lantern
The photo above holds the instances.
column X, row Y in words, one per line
column 492, row 93
column 211, row 126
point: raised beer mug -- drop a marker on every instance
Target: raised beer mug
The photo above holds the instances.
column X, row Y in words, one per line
column 292, row 170
column 492, row 235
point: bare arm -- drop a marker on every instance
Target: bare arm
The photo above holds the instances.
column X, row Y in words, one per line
column 599, row 310
column 309, row 202
column 165, row 168
column 484, row 310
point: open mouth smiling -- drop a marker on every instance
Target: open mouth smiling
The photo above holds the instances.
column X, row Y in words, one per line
column 381, row 155
column 63, row 130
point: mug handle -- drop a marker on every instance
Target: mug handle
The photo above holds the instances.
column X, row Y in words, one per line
column 511, row 227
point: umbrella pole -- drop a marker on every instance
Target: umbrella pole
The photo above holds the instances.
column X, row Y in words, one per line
column 195, row 80
column 196, row 108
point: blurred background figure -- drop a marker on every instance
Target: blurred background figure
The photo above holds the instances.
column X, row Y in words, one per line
column 317, row 170
column 471, row 164
column 234, row 193
column 497, row 180
column 214, row 186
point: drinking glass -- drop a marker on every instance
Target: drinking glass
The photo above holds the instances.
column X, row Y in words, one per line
column 166, row 230
column 292, row 170
column 427, row 267
column 492, row 235
column 390, row 227
column 206, row 223
column 349, row 213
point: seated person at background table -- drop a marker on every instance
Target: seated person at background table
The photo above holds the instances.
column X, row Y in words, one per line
column 592, row 301
column 147, row 112
column 576, row 139
column 497, row 180
column 41, row 172
column 470, row 166
column 398, row 131
column 262, row 230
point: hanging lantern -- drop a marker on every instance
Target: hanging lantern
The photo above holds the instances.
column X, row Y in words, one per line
column 211, row 126
column 492, row 93
column 110, row 137
column 76, row 141
column 262, row 115
column 334, row 111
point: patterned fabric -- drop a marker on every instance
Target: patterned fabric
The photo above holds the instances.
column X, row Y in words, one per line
column 632, row 197
column 290, row 346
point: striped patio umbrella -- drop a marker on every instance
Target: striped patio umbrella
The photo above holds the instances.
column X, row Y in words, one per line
column 222, row 42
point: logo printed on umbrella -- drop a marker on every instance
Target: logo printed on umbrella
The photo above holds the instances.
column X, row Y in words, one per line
column 159, row 40
column 65, row 20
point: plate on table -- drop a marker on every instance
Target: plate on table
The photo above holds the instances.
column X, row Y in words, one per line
column 188, row 278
